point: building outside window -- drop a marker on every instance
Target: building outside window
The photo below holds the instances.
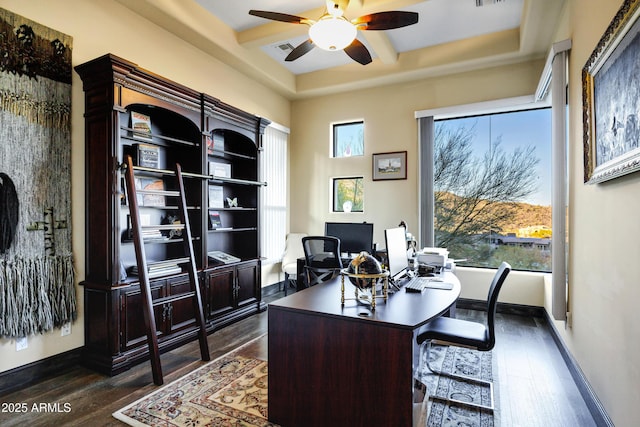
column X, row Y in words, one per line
column 492, row 189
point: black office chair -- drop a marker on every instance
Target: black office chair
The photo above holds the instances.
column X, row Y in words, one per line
column 322, row 258
column 464, row 333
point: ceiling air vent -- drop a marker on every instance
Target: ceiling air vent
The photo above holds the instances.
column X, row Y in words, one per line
column 285, row 47
column 480, row 3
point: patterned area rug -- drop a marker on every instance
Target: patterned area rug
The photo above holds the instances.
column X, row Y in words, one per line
column 465, row 362
column 230, row 391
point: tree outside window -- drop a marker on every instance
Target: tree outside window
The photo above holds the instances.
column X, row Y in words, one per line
column 348, row 139
column 492, row 183
column 348, row 194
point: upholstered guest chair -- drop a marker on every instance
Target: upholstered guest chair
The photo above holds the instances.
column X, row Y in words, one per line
column 322, row 258
column 468, row 334
column 292, row 251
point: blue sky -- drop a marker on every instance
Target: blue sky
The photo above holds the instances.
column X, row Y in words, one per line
column 518, row 129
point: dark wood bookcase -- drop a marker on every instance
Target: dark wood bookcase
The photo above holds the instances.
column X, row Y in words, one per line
column 218, row 147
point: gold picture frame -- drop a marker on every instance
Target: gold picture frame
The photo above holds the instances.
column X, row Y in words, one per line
column 611, row 100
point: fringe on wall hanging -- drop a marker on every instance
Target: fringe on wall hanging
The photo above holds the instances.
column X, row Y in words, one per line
column 36, row 295
column 45, row 113
column 37, row 280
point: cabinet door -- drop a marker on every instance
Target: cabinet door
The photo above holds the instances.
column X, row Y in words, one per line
column 220, row 291
column 181, row 312
column 133, row 330
column 248, row 284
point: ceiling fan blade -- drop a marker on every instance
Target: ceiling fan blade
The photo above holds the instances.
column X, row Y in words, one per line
column 386, row 20
column 358, row 52
column 276, row 16
column 299, row 50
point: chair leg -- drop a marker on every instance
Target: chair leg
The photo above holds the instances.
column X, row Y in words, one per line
column 489, row 384
column 286, row 283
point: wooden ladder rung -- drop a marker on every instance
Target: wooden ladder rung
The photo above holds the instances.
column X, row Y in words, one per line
column 173, row 298
column 162, row 227
column 166, row 193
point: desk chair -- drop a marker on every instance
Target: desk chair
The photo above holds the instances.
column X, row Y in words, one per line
column 468, row 334
column 292, row 251
column 322, row 258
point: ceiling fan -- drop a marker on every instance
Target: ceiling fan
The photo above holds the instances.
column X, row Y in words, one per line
column 332, row 31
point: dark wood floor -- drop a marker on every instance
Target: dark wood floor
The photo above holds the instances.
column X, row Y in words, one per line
column 534, row 386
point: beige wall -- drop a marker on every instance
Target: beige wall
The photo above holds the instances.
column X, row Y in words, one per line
column 521, row 287
column 604, row 253
column 104, row 26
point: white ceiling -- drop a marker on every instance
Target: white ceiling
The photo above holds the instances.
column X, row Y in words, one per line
column 450, row 36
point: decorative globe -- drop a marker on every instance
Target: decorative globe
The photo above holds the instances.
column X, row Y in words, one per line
column 364, row 263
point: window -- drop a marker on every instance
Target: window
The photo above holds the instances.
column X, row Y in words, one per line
column 348, row 139
column 348, row 194
column 274, row 196
column 492, row 189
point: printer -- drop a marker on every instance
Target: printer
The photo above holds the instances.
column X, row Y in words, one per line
column 433, row 257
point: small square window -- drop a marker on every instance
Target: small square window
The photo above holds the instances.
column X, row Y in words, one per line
column 348, row 194
column 348, row 139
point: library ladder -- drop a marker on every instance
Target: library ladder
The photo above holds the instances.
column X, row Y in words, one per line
column 144, row 267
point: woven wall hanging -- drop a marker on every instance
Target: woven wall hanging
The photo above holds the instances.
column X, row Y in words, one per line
column 37, row 285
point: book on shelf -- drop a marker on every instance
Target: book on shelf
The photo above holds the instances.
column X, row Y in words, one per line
column 222, row 257
column 158, row 269
column 216, row 196
column 146, row 233
column 215, row 222
column 147, row 155
column 141, row 125
column 148, row 191
column 220, row 170
column 215, row 142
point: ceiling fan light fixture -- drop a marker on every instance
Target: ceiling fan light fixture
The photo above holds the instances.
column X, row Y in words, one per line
column 332, row 32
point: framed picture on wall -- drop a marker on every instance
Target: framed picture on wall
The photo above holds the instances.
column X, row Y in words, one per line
column 611, row 99
column 390, row 165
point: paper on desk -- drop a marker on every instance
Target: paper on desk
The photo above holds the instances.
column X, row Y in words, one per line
column 437, row 251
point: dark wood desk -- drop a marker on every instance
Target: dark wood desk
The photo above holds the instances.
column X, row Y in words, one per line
column 332, row 366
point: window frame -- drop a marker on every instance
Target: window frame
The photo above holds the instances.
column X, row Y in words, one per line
column 426, row 126
column 333, row 194
column 335, row 126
